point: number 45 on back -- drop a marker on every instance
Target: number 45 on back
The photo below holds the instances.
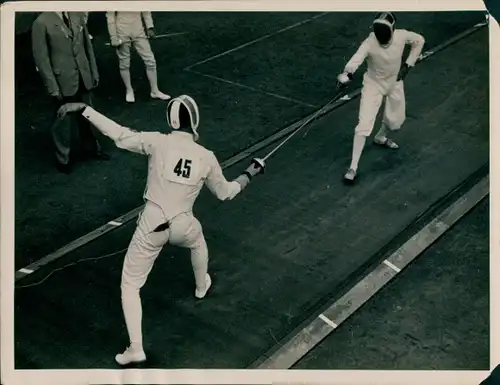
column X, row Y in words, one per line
column 183, row 168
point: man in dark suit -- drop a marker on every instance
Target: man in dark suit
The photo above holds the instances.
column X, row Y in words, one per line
column 65, row 59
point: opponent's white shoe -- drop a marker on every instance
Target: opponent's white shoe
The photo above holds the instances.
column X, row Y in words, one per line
column 160, row 95
column 130, row 356
column 386, row 142
column 201, row 293
column 350, row 175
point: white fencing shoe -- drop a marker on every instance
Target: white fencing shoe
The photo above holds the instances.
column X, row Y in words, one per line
column 386, row 142
column 350, row 176
column 160, row 95
column 130, row 356
column 201, row 293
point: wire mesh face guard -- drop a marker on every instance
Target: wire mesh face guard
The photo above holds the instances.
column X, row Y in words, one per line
column 173, row 117
column 383, row 27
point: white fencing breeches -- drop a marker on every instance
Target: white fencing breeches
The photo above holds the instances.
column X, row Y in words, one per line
column 143, row 48
column 372, row 96
column 185, row 231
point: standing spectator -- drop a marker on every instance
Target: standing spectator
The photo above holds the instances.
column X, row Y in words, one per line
column 126, row 29
column 65, row 60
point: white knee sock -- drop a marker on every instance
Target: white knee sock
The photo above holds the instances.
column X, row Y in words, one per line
column 357, row 150
column 382, row 133
column 199, row 260
column 132, row 311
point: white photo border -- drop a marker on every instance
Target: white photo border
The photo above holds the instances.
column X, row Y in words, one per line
column 9, row 376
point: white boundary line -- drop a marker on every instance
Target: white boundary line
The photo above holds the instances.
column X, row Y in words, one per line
column 251, row 88
column 337, row 313
column 125, row 218
column 258, row 39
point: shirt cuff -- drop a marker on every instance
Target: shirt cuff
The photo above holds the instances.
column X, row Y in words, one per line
column 107, row 126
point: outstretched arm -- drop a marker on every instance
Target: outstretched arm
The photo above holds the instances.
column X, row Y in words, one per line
column 124, row 137
column 352, row 65
column 358, row 58
column 227, row 190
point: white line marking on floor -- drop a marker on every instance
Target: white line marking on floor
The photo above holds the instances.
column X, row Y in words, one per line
column 392, row 266
column 127, row 217
column 25, row 271
column 301, row 343
column 328, row 321
column 115, row 223
column 252, row 88
column 258, row 39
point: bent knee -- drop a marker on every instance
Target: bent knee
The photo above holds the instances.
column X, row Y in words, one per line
column 363, row 129
column 394, row 124
column 128, row 287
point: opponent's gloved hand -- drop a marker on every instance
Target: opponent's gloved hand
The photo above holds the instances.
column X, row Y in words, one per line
column 405, row 68
column 257, row 167
column 343, row 79
column 151, row 33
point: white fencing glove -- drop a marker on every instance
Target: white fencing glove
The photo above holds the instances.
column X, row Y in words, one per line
column 257, row 167
column 343, row 79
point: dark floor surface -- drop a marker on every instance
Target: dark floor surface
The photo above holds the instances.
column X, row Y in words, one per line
column 301, row 63
column 433, row 316
column 288, row 241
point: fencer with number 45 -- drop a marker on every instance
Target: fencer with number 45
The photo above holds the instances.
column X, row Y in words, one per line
column 383, row 49
column 178, row 169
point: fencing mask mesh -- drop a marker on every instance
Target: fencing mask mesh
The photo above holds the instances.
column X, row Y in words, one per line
column 383, row 27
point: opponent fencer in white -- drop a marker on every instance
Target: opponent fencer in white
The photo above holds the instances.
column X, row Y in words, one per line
column 178, row 169
column 383, row 49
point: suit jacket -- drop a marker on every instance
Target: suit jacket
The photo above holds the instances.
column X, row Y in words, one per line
column 62, row 54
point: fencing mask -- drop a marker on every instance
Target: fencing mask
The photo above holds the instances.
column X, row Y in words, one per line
column 383, row 27
column 183, row 113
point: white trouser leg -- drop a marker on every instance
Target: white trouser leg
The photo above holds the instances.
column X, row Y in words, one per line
column 143, row 48
column 395, row 107
column 186, row 231
column 139, row 260
column 371, row 100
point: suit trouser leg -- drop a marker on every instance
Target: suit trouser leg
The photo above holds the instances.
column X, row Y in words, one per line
column 86, row 132
column 89, row 142
column 63, row 132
